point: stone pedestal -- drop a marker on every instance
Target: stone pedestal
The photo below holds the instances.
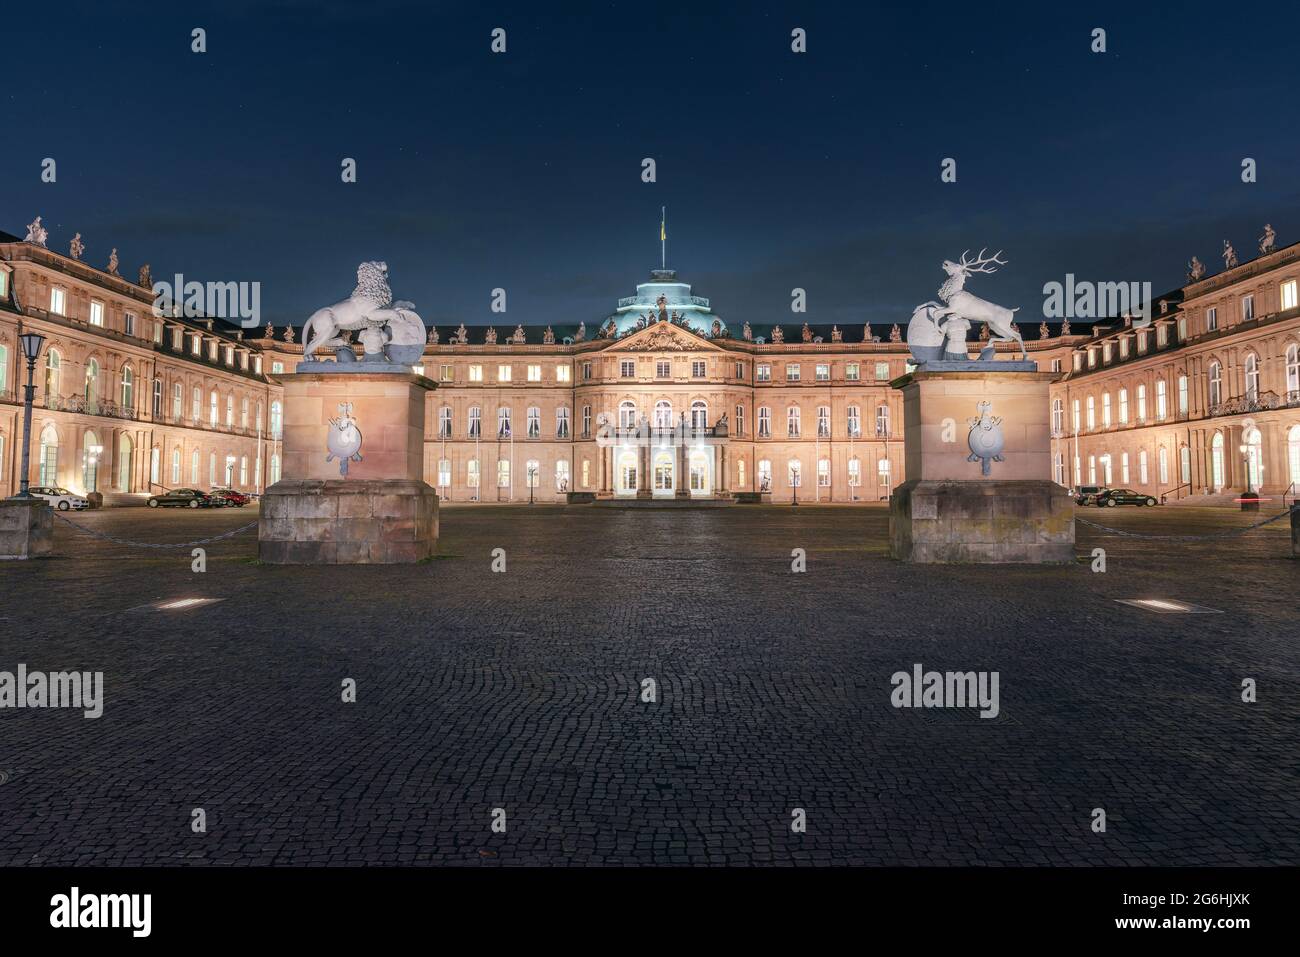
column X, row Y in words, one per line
column 26, row 528
column 380, row 510
column 949, row 510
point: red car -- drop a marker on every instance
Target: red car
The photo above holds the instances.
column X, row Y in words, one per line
column 229, row 497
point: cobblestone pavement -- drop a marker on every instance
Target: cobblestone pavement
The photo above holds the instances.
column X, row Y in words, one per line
column 521, row 691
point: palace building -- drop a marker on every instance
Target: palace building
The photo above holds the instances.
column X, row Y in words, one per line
column 661, row 399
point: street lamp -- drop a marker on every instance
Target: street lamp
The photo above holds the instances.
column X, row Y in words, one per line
column 31, row 345
column 92, row 452
column 532, row 478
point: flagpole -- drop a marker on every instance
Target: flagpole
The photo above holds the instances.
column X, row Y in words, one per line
column 663, row 237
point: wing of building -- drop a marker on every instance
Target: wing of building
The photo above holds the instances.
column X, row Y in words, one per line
column 1204, row 400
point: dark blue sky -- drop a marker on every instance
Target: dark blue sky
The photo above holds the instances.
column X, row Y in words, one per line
column 522, row 170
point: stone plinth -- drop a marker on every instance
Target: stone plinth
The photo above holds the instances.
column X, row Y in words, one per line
column 381, row 511
column 948, row 510
column 26, row 528
column 347, row 521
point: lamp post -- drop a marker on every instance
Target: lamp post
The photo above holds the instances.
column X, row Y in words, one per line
column 31, row 343
column 92, row 454
column 532, row 477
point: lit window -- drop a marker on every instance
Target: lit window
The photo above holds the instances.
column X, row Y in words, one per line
column 764, row 422
column 1211, row 319
column 476, row 373
column 792, row 422
column 1289, row 294
column 58, row 301
column 764, row 372
column 882, row 371
column 563, row 373
column 534, row 373
column 96, row 312
column 1247, row 308
column 503, row 373
column 792, row 372
column 823, row 372
column 855, row 422
column 446, row 373
column 823, row 422
column 444, row 422
column 823, row 473
column 851, row 373
column 882, row 421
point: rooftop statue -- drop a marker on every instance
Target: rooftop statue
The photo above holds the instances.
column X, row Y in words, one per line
column 146, row 278
column 748, row 333
column 1195, row 269
column 112, row 262
column 778, row 336
column 806, row 333
column 1268, row 242
column 433, row 335
column 1229, row 255
column 391, row 331
column 491, row 337
column 548, row 337
column 76, row 247
column 581, row 333
column 36, row 233
column 836, row 335
column 461, row 336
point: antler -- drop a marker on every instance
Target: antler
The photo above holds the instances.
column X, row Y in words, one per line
column 980, row 262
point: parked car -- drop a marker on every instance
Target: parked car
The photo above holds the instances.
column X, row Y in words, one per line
column 60, row 498
column 1123, row 496
column 182, row 497
column 1087, row 494
column 229, row 497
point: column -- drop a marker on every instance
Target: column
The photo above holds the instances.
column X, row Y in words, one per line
column 722, row 483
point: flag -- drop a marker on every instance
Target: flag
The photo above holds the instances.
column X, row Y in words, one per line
column 663, row 235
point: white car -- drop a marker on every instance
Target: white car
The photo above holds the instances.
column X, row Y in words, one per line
column 60, row 498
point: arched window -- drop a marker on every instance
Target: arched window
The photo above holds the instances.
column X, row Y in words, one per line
column 1142, row 404
column 92, row 383
column 1216, row 461
column 764, row 475
column 1184, row 465
column 699, row 414
column 212, row 469
column 90, row 461
column 128, row 389
column 444, row 422
column 503, row 428
column 883, row 476
column 1074, row 415
column 1092, row 413
column 1058, row 469
column 444, row 473
column 532, row 473
column 794, row 473
column 1162, row 465
column 534, row 422
column 764, row 422
column 855, row 472
column 823, row 421
column 562, row 475
column 276, row 420
column 1216, row 384
column 663, row 414
column 213, row 415
column 230, row 411
column 125, row 452
column 1292, row 372
column 1123, row 468
column 1123, row 406
column 1058, row 417
column 1182, row 395
column 1254, row 442
column 1143, row 477
column 49, row 467
column 177, row 401
column 157, row 408
column 1162, row 403
column 53, row 380
column 1105, row 410
column 627, row 414
column 562, row 422
column 1252, row 378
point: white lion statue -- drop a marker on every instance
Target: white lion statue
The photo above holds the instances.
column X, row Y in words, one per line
column 370, row 307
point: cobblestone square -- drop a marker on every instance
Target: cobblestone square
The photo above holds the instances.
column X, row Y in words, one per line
column 522, row 690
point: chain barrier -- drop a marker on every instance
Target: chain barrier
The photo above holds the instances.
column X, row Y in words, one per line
column 126, row 541
column 1187, row 538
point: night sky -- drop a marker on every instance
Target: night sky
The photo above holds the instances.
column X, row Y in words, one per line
column 778, row 170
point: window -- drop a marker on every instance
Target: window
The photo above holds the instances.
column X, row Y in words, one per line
column 1252, row 378
column 532, row 473
column 763, row 372
column 444, row 422
column 1123, row 406
column 663, row 369
column 471, row 473
column 627, row 368
column 49, row 461
column 1288, row 295
column 792, row 422
column 1211, row 319
column 855, row 472
column 475, row 373
column 1142, row 467
column 740, row 370
column 764, row 422
column 176, row 467
column 794, row 473
column 96, row 313
column 740, row 473
column 1182, row 328
column 212, row 468
column 276, row 419
column 627, row 414
column 855, row 421
column 534, row 374
column 883, row 477
column 562, row 423
column 230, row 411
column 663, row 414
column 4, row 365
column 1107, row 475
column 128, row 324
column 444, row 472
column 698, row 369
column 1058, row 469
column 823, row 422
column 447, row 372
column 1162, row 465
column 1092, row 413
column 562, row 476
column 1123, row 468
column 699, row 414
column 1105, row 410
column 534, row 422
column 740, row 420
column 178, row 401
column 196, row 345
column 1182, row 395
column 1216, row 384
column 128, row 388
column 258, row 422
column 503, row 373
column 503, row 423
column 1162, row 401
column 1142, row 404
column 475, row 422
column 92, row 382
column 1292, row 372
column 792, row 372
column 882, row 371
column 586, row 425
column 157, row 398
column 1076, row 415
column 243, row 470
column 1058, row 417
column 764, row 475
column 823, row 473
column 503, row 473
column 1123, row 347
column 882, row 421
column 822, row 373
column 1162, row 335
column 1247, row 308
column 1216, row 460
column 196, row 405
column 1185, row 464
column 194, row 467
column 1078, row 471
column 563, row 373
column 277, row 368
column 1092, row 470
column 586, row 473
column 58, row 305
column 586, row 370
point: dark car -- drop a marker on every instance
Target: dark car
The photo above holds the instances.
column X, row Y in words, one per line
column 182, row 497
column 228, row 497
column 1123, row 496
column 1087, row 494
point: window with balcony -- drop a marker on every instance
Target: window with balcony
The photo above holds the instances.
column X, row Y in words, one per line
column 764, row 422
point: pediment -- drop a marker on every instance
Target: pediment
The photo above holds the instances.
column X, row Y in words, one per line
column 663, row 336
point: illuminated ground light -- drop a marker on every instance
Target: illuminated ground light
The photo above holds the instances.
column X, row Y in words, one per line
column 184, row 604
column 1166, row 606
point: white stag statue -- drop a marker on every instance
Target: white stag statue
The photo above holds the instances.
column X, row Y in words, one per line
column 1001, row 321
